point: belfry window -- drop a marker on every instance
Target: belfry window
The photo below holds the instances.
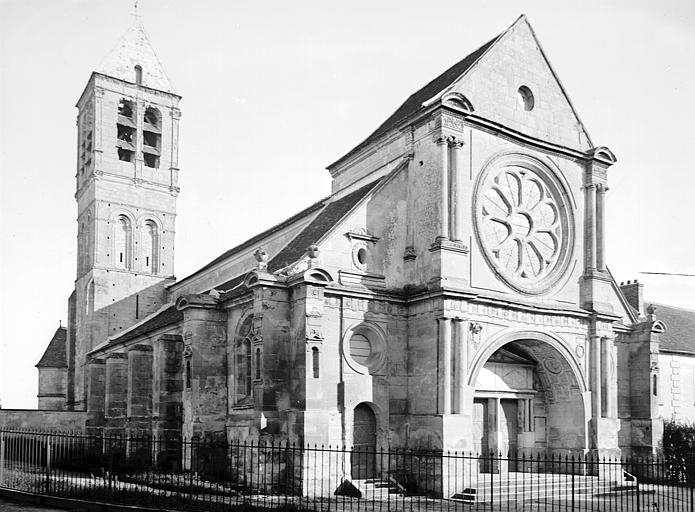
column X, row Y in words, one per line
column 150, row 247
column 151, row 137
column 123, row 240
column 125, row 131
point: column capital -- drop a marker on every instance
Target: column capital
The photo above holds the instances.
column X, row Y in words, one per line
column 450, row 140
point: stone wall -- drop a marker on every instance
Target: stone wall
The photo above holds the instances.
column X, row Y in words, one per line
column 677, row 387
column 52, row 388
column 44, row 420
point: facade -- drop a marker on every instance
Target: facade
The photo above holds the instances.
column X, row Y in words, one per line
column 450, row 293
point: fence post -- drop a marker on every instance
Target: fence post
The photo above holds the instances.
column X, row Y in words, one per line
column 2, row 458
column 48, row 464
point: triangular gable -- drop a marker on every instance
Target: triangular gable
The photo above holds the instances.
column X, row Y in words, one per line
column 135, row 49
column 492, row 85
column 514, row 54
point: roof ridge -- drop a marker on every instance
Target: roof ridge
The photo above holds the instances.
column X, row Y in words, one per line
column 257, row 238
column 409, row 109
column 680, row 308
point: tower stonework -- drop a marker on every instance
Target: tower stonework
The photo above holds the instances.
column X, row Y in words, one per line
column 126, row 189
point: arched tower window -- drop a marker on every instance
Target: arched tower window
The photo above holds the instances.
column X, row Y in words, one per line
column 150, row 247
column 138, row 74
column 125, row 131
column 123, row 242
column 152, row 137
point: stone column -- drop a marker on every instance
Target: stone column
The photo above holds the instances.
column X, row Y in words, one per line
column 456, row 192
column 595, row 372
column 600, row 227
column 590, row 227
column 445, row 351
column 167, row 388
column 609, row 390
column 139, row 407
column 96, row 372
column 461, row 364
column 444, row 197
column 116, row 391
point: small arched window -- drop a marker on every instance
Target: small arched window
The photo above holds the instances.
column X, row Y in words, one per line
column 123, row 240
column 150, row 247
column 315, row 362
column 655, row 382
column 152, row 117
column 248, row 359
column 138, row 74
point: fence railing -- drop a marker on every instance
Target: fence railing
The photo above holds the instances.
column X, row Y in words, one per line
column 180, row 474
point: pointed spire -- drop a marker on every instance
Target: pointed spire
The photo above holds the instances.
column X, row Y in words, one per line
column 134, row 59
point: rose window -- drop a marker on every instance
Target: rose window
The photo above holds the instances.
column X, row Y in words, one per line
column 522, row 225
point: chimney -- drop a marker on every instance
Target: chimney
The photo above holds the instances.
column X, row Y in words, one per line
column 633, row 292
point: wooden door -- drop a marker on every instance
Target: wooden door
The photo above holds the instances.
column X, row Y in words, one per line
column 363, row 455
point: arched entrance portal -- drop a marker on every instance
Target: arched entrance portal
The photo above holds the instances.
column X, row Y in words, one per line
column 527, row 401
column 364, row 442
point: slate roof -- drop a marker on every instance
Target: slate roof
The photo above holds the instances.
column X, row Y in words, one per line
column 317, row 228
column 55, row 355
column 414, row 102
column 134, row 49
column 680, row 329
column 257, row 238
column 164, row 317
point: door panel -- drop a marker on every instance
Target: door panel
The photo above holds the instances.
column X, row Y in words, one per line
column 509, row 430
column 363, row 457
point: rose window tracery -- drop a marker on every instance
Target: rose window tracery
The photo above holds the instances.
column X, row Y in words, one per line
column 522, row 225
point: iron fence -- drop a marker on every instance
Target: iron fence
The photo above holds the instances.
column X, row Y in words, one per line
column 172, row 473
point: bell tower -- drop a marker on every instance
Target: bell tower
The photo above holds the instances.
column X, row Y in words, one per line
column 126, row 189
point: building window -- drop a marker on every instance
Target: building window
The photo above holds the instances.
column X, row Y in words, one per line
column 248, row 358
column 360, row 349
column 526, row 98
column 315, row 362
column 138, row 74
column 123, row 241
column 125, row 131
column 655, row 381
column 150, row 247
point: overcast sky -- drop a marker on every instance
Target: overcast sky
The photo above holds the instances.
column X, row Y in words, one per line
column 275, row 91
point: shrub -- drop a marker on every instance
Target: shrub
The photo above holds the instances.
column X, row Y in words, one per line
column 678, row 449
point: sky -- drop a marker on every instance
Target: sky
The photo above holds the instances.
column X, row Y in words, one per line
column 273, row 92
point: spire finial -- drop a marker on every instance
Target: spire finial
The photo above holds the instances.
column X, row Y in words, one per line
column 135, row 9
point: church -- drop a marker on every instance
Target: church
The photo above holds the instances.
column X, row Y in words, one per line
column 450, row 293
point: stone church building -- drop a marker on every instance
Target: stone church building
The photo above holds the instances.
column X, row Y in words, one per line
column 452, row 292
